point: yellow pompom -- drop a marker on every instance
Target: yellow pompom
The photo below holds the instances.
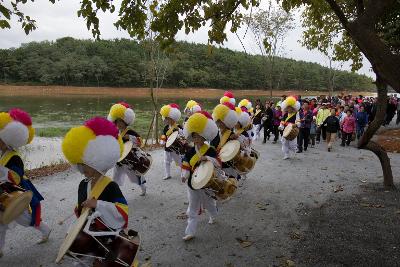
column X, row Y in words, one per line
column 291, row 101
column 5, row 119
column 75, row 142
column 191, row 103
column 244, row 103
column 238, row 110
column 165, row 111
column 117, row 111
column 220, row 112
column 196, row 123
column 31, row 131
column 224, row 99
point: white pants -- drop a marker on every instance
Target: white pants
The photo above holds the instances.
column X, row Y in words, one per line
column 24, row 219
column 121, row 171
column 288, row 146
column 198, row 199
column 168, row 158
column 256, row 130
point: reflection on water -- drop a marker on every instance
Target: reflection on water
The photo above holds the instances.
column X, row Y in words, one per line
column 48, row 111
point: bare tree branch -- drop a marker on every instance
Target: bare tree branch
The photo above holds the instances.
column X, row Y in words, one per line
column 339, row 12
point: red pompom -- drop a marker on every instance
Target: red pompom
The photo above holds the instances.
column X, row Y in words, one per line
column 21, row 116
column 229, row 105
column 205, row 113
column 228, row 94
column 173, row 105
column 125, row 104
column 102, row 126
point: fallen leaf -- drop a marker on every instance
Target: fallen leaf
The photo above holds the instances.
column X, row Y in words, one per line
column 338, row 188
column 295, row 235
column 289, row 263
column 62, row 199
column 182, row 216
column 244, row 243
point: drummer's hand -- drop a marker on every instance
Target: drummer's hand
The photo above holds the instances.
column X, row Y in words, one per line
column 183, row 179
column 235, row 136
column 203, row 158
column 90, row 203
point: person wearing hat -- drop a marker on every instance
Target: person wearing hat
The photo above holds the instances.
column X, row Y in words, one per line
column 322, row 114
column 276, row 122
column 16, row 131
column 290, row 106
column 242, row 135
column 199, row 128
column 226, row 118
column 93, row 149
column 306, row 118
column 191, row 108
column 170, row 114
column 246, row 105
column 123, row 116
column 228, row 98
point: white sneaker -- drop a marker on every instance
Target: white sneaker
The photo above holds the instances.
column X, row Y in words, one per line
column 188, row 237
column 211, row 220
column 167, row 177
column 286, row 157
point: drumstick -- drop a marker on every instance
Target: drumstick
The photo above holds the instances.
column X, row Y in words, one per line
column 63, row 221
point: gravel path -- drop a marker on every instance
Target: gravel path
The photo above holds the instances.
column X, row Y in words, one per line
column 266, row 210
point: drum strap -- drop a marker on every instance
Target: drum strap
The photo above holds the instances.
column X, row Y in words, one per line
column 196, row 157
column 7, row 156
column 224, row 139
column 99, row 187
column 290, row 116
column 171, row 130
column 255, row 114
column 123, row 133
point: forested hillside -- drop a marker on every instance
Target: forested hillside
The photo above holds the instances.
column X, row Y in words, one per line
column 123, row 62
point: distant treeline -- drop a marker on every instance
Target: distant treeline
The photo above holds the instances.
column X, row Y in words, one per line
column 124, row 63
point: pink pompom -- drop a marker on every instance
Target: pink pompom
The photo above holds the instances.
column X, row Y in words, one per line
column 125, row 104
column 228, row 94
column 205, row 113
column 173, row 105
column 244, row 109
column 229, row 105
column 102, row 126
column 21, row 116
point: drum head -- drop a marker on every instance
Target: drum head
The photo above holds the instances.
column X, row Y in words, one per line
column 172, row 138
column 72, row 234
column 202, row 175
column 229, row 150
column 127, row 148
column 287, row 130
column 16, row 206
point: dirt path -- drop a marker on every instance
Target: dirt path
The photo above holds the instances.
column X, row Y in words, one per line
column 11, row 90
column 267, row 211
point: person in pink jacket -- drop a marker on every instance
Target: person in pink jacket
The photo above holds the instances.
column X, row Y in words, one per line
column 348, row 128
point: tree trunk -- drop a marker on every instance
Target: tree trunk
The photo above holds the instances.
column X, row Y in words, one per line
column 365, row 141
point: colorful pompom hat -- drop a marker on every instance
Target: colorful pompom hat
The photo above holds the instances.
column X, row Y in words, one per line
column 202, row 123
column 96, row 144
column 228, row 97
column 244, row 117
column 290, row 101
column 122, row 111
column 192, row 107
column 16, row 128
column 171, row 111
column 226, row 113
column 245, row 103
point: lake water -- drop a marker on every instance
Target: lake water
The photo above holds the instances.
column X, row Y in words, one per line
column 65, row 112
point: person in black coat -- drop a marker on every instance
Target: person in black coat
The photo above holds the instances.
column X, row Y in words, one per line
column 267, row 121
column 332, row 127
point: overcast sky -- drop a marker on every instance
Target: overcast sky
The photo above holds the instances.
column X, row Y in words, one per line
column 60, row 20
